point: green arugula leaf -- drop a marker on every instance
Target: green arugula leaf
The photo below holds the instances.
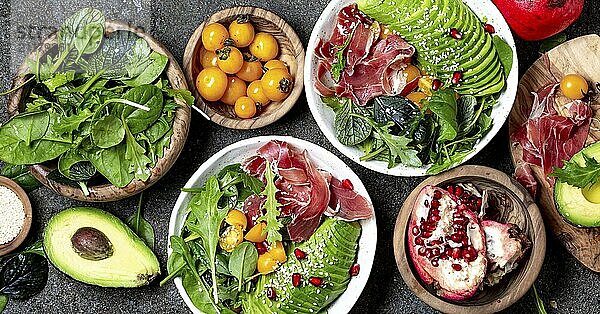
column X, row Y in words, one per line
column 67, row 124
column 181, row 94
column 337, row 68
column 578, row 174
column 136, row 155
column 271, row 208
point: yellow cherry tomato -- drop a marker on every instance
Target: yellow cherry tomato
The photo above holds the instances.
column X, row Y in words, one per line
column 275, row 64
column 264, row 47
column 256, row 234
column 251, row 69
column 412, row 73
column 207, row 58
column 214, row 36
column 231, row 238
column 211, row 83
column 230, row 59
column 255, row 91
column 417, row 98
column 574, row 86
column 266, row 263
column 241, row 31
column 277, row 84
column 245, row 107
column 236, row 217
column 385, row 32
column 236, row 88
column 425, row 84
column 277, row 252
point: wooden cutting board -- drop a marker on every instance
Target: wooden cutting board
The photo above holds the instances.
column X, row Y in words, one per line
column 581, row 56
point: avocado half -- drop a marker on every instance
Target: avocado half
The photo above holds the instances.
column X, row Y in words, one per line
column 95, row 247
column 571, row 202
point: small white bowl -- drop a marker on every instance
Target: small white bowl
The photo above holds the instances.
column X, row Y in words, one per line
column 325, row 116
column 323, row 159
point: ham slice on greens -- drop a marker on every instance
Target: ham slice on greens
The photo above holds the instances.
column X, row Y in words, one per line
column 305, row 192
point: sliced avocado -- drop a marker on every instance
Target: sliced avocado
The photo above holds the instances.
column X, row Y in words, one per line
column 330, row 252
column 574, row 203
column 95, row 247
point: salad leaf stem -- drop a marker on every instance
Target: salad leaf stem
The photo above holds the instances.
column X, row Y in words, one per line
column 18, row 86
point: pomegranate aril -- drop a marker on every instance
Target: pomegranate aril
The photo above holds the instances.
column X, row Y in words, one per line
column 456, row 267
column 346, row 183
column 437, row 195
column 461, row 207
column 434, row 212
column 456, row 253
column 444, row 256
column 315, row 281
column 489, row 28
column 261, row 247
column 456, row 77
column 436, row 85
column 419, row 241
column 455, row 33
column 435, row 218
column 458, row 191
column 435, row 252
column 436, row 242
column 450, row 189
column 354, row 270
column 428, row 253
column 296, row 279
column 421, row 251
column 427, row 234
column 479, row 202
column 416, row 231
column 435, row 204
column 456, row 237
column 299, row 254
column 435, row 262
column 465, row 242
column 271, row 293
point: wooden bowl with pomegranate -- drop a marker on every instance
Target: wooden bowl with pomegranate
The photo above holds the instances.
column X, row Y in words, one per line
column 450, row 268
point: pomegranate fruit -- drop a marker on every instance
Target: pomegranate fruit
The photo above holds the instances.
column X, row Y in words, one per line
column 539, row 19
column 448, row 251
column 506, row 245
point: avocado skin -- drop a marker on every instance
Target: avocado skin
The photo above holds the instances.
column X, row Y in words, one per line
column 339, row 242
column 569, row 200
column 132, row 263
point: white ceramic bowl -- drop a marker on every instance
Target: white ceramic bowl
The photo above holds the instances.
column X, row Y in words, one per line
column 325, row 116
column 236, row 153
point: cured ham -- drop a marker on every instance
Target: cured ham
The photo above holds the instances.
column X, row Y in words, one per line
column 370, row 70
column 304, row 192
column 549, row 138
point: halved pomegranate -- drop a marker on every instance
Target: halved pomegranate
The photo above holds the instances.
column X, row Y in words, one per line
column 446, row 243
column 506, row 245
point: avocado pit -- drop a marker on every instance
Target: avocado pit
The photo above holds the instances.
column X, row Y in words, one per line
column 91, row 244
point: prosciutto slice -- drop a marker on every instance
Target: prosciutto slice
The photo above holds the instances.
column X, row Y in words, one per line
column 304, row 192
column 549, row 138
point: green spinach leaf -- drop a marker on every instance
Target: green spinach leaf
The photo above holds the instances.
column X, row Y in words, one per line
column 505, row 53
column 350, row 130
column 21, row 175
column 112, row 164
column 139, row 120
column 242, row 262
column 67, row 124
column 141, row 226
column 153, row 69
column 443, row 104
column 108, row 132
column 136, row 155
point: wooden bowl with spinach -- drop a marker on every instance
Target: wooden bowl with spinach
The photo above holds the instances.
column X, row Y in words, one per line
column 100, row 110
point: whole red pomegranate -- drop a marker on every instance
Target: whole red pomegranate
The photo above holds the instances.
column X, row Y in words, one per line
column 539, row 19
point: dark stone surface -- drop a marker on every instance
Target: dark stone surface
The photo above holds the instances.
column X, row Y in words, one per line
column 563, row 281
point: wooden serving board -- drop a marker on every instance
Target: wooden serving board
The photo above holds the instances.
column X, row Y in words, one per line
column 581, row 56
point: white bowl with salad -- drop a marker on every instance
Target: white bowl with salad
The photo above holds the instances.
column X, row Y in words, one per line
column 411, row 88
column 279, row 224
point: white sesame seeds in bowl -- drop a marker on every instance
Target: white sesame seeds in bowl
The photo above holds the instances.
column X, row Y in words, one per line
column 16, row 213
column 324, row 116
column 323, row 159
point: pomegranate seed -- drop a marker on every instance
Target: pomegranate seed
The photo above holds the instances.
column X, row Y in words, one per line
column 456, row 237
column 456, row 267
column 479, row 202
column 299, row 254
column 296, row 279
column 271, row 294
column 427, row 234
column 315, row 281
column 354, row 270
column 419, row 241
column 437, row 195
column 428, row 253
column 461, row 233
column 455, row 33
column 461, row 207
column 458, row 191
column 416, row 231
column 436, row 242
column 489, row 28
column 434, row 212
column 436, row 85
column 456, row 215
column 261, row 247
column 458, row 227
column 467, row 255
column 435, row 262
column 347, row 184
column 435, row 218
column 456, row 253
column 456, row 77
column 450, row 189
column 435, row 204
column 435, row 252
column 465, row 242
column 421, row 251
column 444, row 256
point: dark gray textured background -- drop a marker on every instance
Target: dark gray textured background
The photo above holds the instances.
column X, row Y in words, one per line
column 563, row 282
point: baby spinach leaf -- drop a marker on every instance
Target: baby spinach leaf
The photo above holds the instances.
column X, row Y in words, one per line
column 23, row 275
column 27, row 127
column 403, row 112
column 242, row 262
column 156, row 131
column 152, row 69
column 74, row 29
column 466, row 114
column 443, row 104
column 111, row 163
column 552, row 42
column 21, row 175
column 141, row 226
column 88, row 39
column 135, row 154
column 505, row 53
column 16, row 151
column 139, row 120
column 67, row 124
column 75, row 167
column 350, row 130
column 108, row 132
column 199, row 294
column 159, row 147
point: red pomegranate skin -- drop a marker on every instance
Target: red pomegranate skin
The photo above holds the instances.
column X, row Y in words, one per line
column 534, row 20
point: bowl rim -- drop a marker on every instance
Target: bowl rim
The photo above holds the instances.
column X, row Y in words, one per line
column 369, row 226
column 283, row 107
column 27, row 208
column 505, row 105
column 108, row 192
column 531, row 268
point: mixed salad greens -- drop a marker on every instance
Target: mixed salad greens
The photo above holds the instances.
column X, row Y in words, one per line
column 412, row 83
column 98, row 104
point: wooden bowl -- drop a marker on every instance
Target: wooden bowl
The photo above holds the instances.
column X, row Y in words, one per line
column 523, row 213
column 108, row 192
column 18, row 240
column 580, row 55
column 290, row 51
